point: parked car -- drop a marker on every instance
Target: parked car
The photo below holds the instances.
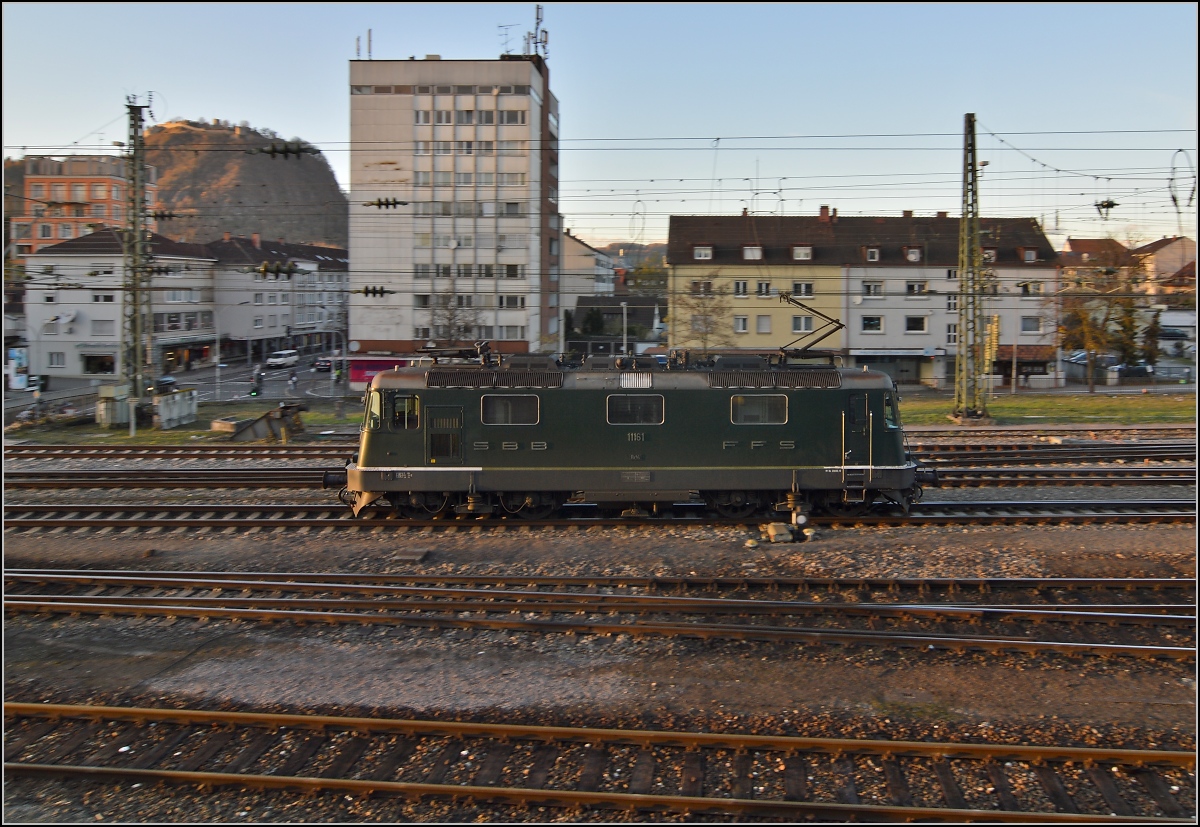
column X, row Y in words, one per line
column 1172, row 333
column 1131, row 371
column 323, row 364
column 163, row 384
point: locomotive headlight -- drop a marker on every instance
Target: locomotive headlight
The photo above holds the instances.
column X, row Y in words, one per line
column 799, row 519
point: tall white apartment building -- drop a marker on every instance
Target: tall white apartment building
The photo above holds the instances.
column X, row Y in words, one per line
column 471, row 149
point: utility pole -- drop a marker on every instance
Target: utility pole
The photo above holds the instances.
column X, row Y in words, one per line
column 137, row 336
column 970, row 366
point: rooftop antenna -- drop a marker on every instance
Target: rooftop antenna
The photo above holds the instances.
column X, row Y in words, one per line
column 537, row 40
column 504, row 36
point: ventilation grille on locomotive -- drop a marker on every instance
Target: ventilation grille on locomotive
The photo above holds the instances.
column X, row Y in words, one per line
column 818, row 378
column 451, row 378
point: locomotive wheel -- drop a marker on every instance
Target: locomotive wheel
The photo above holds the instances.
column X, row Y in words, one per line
column 734, row 505
column 426, row 510
column 835, row 507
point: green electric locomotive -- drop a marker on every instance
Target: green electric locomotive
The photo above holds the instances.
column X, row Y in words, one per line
column 738, row 435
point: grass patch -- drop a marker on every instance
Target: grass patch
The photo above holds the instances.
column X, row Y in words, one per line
column 1062, row 409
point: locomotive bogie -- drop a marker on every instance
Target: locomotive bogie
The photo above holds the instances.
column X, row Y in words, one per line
column 489, row 441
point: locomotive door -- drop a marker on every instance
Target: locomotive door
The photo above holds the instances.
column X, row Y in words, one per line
column 443, row 435
column 856, row 440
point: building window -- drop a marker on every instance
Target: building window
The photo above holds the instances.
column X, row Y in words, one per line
column 872, row 254
column 914, row 288
column 914, row 324
column 702, row 253
column 258, row 321
column 802, row 253
column 741, row 288
column 989, row 255
column 37, row 190
column 485, row 117
column 951, row 334
column 514, row 271
column 512, row 116
column 103, row 298
column 104, row 327
column 802, row 288
column 1031, row 324
column 510, row 179
column 952, row 275
column 22, row 231
column 58, row 359
column 443, row 116
column 872, row 288
column 258, row 298
column 802, row 324
column 464, row 117
column 952, row 301
column 99, row 191
column 464, row 147
column 872, row 324
column 443, row 179
column 443, row 147
column 702, row 288
column 66, row 230
column 58, row 192
column 764, row 288
column 912, row 255
column 762, row 324
column 1030, row 256
column 422, row 179
column 1032, row 288
column 99, row 210
column 752, row 253
column 420, row 333
column 45, row 231
column 422, row 117
column 741, row 324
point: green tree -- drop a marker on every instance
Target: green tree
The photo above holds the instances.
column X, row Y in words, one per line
column 1150, row 334
column 593, row 323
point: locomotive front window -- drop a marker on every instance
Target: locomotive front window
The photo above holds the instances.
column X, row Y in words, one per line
column 510, row 410
column 406, row 413
column 374, row 411
column 764, row 409
column 635, row 409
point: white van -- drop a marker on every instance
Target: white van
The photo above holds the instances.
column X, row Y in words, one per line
column 283, row 359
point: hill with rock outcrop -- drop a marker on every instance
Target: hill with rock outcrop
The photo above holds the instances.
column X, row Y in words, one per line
column 217, row 175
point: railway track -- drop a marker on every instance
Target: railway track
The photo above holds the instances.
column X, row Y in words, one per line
column 190, row 517
column 1072, row 630
column 975, row 451
column 948, row 477
column 724, row 774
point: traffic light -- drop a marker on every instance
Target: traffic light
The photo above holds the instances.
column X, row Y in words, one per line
column 285, row 150
column 386, row 203
column 277, row 269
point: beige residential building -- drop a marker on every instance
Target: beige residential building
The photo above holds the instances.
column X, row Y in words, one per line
column 453, row 205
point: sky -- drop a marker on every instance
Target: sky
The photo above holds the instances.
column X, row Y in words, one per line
column 688, row 108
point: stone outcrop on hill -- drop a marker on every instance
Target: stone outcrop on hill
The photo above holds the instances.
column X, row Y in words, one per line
column 206, row 174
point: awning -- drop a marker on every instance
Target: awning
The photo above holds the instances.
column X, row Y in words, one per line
column 899, row 351
column 1026, row 353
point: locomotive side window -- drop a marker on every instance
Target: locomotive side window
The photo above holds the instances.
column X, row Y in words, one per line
column 765, row 409
column 405, row 413
column 857, row 414
column 635, row 409
column 510, row 410
column 373, row 416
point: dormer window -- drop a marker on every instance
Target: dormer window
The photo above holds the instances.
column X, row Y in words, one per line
column 752, row 253
column 702, row 253
column 989, row 255
column 1029, row 255
column 872, row 254
column 912, row 254
column 802, row 253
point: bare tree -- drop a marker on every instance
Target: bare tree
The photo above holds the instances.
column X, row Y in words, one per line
column 702, row 317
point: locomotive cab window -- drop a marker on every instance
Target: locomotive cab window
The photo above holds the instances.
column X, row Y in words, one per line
column 765, row 409
column 405, row 413
column 510, row 410
column 373, row 416
column 890, row 415
column 635, row 409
